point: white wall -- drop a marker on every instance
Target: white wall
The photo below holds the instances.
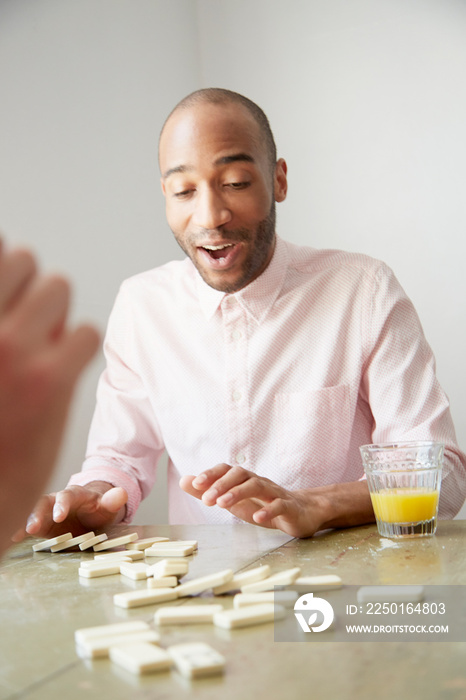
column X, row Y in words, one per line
column 85, row 87
column 366, row 99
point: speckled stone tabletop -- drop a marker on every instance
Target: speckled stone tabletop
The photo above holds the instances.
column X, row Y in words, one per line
column 43, row 601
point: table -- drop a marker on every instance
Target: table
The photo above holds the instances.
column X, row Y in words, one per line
column 43, row 601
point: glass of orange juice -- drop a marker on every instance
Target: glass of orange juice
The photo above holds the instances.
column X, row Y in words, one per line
column 404, row 484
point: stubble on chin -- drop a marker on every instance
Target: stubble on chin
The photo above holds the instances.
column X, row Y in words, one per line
column 255, row 263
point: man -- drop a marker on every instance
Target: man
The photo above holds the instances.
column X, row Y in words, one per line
column 261, row 367
column 40, row 361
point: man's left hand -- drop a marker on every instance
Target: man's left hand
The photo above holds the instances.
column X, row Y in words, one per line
column 257, row 500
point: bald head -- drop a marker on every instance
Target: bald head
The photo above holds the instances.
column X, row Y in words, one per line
column 222, row 97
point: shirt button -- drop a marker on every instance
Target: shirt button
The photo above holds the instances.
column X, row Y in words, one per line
column 237, row 395
column 240, row 458
column 236, row 335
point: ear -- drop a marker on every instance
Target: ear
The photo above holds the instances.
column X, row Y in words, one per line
column 280, row 181
column 162, row 184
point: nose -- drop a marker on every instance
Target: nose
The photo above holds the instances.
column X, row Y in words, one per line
column 210, row 210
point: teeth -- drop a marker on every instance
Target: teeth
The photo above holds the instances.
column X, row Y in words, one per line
column 218, row 247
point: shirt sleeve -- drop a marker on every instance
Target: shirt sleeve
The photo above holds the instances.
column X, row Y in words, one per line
column 125, row 443
column 401, row 387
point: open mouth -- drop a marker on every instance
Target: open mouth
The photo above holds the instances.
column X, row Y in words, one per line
column 218, row 251
column 220, row 256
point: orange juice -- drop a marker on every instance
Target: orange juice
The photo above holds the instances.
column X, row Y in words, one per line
column 405, row 505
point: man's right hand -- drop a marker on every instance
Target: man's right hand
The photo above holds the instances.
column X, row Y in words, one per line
column 76, row 509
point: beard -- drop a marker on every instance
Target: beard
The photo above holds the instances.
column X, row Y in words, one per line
column 261, row 239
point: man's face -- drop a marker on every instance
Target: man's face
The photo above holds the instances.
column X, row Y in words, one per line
column 220, row 191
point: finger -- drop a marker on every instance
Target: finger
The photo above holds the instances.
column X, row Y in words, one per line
column 205, row 480
column 113, row 500
column 17, row 269
column 279, row 507
column 76, row 349
column 83, row 508
column 227, row 482
column 40, row 521
column 186, row 483
column 19, row 535
column 42, row 312
column 73, row 499
column 246, row 509
column 255, row 487
column 109, row 508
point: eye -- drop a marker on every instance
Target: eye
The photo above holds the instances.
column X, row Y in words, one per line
column 183, row 194
column 238, row 185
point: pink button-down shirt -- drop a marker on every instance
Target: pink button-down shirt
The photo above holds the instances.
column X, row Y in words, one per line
column 322, row 353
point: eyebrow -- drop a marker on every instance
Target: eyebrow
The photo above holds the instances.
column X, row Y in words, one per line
column 224, row 160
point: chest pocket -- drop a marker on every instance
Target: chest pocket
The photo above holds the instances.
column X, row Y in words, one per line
column 313, row 436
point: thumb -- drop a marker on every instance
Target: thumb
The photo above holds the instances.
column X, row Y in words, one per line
column 186, row 483
column 114, row 499
column 278, row 507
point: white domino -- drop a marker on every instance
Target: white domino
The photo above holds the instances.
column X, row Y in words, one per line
column 86, row 633
column 186, row 614
column 176, row 543
column 146, row 542
column 93, row 541
column 73, row 542
column 305, row 584
column 140, row 657
column 116, row 542
column 203, row 583
column 163, row 582
column 169, row 550
column 196, row 659
column 123, row 555
column 47, row 544
column 243, row 579
column 99, row 646
column 169, row 567
column 187, row 543
column 136, row 571
column 285, row 598
column 108, row 568
column 93, row 564
column 144, row 596
column 249, row 615
column 282, row 578
column 390, row 594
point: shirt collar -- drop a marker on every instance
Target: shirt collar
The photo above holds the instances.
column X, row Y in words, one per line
column 258, row 296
